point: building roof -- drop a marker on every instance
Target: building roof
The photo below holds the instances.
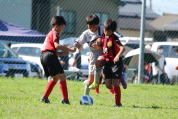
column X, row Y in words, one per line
column 133, row 24
column 166, row 22
column 173, row 26
column 132, row 1
column 135, row 10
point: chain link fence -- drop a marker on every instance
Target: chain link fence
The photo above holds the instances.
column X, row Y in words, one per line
column 24, row 24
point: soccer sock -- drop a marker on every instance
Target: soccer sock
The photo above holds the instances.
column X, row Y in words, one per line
column 111, row 90
column 97, row 89
column 49, row 88
column 64, row 91
column 86, row 90
column 97, row 73
column 117, row 94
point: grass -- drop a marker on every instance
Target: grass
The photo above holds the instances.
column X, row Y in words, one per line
column 19, row 99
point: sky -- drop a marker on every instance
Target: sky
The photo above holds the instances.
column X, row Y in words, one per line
column 164, row 6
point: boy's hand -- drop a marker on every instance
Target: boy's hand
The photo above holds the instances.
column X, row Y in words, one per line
column 65, row 53
column 62, row 53
column 116, row 59
column 72, row 49
column 76, row 44
column 176, row 68
column 94, row 45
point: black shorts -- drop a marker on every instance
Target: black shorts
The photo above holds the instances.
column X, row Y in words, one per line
column 51, row 64
column 113, row 71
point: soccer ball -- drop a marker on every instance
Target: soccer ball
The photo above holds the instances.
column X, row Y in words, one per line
column 86, row 100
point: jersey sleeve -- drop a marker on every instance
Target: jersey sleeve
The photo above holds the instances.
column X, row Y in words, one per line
column 118, row 41
column 82, row 39
column 54, row 37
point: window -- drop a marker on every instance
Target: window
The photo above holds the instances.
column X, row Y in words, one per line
column 70, row 19
column 166, row 49
column 15, row 49
column 26, row 51
column 37, row 52
column 103, row 17
column 173, row 53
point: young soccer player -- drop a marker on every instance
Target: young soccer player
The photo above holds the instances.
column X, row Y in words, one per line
column 93, row 31
column 50, row 62
column 112, row 52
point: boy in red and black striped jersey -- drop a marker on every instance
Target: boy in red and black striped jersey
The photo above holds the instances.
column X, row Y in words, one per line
column 112, row 52
column 50, row 62
column 112, row 56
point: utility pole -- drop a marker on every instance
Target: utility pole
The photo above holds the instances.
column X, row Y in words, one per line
column 142, row 35
column 150, row 4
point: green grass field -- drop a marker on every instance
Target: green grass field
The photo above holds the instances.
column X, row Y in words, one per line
column 19, row 99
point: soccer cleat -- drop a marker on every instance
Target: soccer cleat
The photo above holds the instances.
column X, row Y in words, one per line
column 118, row 105
column 44, row 100
column 124, row 84
column 93, row 85
column 65, row 102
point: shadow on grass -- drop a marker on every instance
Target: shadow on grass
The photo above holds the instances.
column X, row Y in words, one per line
column 152, row 107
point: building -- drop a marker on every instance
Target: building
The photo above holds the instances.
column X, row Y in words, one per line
column 130, row 19
column 37, row 14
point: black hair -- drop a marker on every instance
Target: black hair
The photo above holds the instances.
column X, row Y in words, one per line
column 92, row 19
column 58, row 20
column 110, row 25
column 176, row 49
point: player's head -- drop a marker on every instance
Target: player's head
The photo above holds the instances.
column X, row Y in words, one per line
column 58, row 23
column 92, row 22
column 109, row 27
column 160, row 49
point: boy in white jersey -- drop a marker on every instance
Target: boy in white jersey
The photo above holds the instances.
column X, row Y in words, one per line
column 93, row 31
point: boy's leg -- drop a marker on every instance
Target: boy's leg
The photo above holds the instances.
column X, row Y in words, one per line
column 111, row 90
column 89, row 82
column 97, row 73
column 123, row 81
column 49, row 88
column 63, row 89
column 117, row 92
column 97, row 89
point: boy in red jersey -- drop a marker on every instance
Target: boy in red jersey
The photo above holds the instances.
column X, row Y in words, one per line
column 50, row 62
column 112, row 52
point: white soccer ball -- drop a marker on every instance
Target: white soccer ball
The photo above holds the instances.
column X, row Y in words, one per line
column 86, row 100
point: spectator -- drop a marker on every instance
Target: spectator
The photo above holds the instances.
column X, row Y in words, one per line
column 64, row 60
column 77, row 59
column 158, row 67
column 146, row 75
column 148, row 66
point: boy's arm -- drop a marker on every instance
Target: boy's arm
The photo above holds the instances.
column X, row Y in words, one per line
column 74, row 62
column 76, row 44
column 62, row 53
column 81, row 40
column 61, row 47
column 120, row 53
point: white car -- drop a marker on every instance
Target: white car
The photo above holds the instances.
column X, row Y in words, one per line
column 170, row 56
column 30, row 52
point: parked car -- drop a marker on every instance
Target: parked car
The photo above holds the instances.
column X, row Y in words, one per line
column 171, row 58
column 3, row 69
column 16, row 66
column 36, row 71
column 30, row 52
